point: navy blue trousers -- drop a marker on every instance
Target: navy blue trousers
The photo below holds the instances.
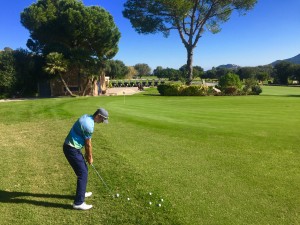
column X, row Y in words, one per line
column 77, row 162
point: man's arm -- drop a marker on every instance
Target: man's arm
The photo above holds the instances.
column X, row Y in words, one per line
column 88, row 151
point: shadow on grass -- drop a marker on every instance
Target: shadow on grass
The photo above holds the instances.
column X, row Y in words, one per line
column 28, row 198
column 291, row 95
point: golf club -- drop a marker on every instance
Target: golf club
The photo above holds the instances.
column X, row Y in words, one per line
column 101, row 179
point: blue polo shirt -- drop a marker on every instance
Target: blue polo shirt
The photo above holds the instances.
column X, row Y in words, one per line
column 82, row 129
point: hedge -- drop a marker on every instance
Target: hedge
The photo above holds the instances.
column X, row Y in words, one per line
column 172, row 89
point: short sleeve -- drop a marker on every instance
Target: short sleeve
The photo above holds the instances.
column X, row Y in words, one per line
column 87, row 128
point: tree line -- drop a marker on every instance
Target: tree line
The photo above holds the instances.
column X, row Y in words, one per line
column 21, row 70
column 282, row 73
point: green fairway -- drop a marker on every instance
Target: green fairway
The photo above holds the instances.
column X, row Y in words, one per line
column 214, row 160
column 283, row 91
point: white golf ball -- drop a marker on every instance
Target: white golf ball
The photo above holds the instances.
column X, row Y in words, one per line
column 128, row 199
column 159, row 205
column 161, row 200
column 150, row 203
column 117, row 195
column 150, row 193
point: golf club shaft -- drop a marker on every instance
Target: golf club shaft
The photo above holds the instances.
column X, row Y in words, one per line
column 101, row 178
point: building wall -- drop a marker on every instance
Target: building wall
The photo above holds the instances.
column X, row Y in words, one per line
column 75, row 82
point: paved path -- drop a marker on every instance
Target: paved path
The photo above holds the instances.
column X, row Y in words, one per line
column 110, row 92
column 15, row 99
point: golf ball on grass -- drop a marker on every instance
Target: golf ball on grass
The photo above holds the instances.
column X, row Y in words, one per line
column 117, row 195
column 128, row 199
column 150, row 203
column 159, row 205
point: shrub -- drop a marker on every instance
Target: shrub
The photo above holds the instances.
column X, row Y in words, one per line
column 249, row 83
column 182, row 90
column 194, row 90
column 168, row 89
column 172, row 89
column 256, row 90
column 161, row 89
column 230, row 83
column 251, row 87
column 230, row 90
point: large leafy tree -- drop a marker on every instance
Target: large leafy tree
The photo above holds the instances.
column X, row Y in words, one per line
column 27, row 71
column 7, row 72
column 282, row 72
column 170, row 73
column 18, row 72
column 82, row 34
column 131, row 72
column 143, row 69
column 116, row 69
column 246, row 72
column 189, row 17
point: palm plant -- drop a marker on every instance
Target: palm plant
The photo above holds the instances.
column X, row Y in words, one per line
column 56, row 64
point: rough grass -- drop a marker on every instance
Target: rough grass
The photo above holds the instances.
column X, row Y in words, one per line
column 214, row 160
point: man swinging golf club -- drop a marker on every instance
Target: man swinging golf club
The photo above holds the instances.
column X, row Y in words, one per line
column 80, row 135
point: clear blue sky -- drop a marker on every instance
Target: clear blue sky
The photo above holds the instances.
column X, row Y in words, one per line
column 269, row 32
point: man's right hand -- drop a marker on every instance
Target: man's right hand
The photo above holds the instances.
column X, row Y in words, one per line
column 88, row 158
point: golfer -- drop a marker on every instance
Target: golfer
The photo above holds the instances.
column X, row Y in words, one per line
column 81, row 135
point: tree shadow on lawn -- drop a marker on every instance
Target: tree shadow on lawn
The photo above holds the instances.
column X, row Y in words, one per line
column 20, row 197
column 149, row 94
column 291, row 95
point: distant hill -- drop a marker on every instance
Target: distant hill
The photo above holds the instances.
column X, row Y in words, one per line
column 295, row 59
column 228, row 66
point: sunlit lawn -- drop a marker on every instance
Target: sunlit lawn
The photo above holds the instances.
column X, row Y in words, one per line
column 214, row 160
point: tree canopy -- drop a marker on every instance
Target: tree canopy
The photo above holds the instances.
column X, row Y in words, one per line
column 7, row 71
column 70, row 28
column 282, row 72
column 116, row 69
column 142, row 69
column 170, row 73
column 18, row 72
column 191, row 18
column 86, row 36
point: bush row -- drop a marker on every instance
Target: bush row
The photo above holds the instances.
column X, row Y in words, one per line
column 173, row 89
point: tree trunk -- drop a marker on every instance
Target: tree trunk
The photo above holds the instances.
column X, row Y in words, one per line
column 190, row 54
column 66, row 86
column 102, row 82
column 94, row 87
column 88, row 81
